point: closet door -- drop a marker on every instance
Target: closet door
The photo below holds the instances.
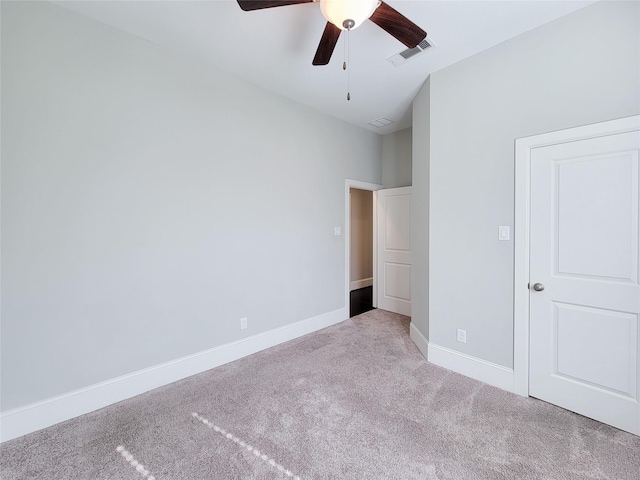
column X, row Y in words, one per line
column 585, row 295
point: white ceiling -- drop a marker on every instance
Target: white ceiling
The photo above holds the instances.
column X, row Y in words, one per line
column 273, row 48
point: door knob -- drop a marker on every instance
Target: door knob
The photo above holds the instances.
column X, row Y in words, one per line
column 538, row 287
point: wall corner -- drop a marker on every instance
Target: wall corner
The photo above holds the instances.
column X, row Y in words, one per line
column 419, row 339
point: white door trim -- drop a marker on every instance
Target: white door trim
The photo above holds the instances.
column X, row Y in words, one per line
column 348, row 185
column 523, row 148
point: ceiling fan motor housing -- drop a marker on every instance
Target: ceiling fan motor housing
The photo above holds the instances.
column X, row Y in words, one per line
column 348, row 14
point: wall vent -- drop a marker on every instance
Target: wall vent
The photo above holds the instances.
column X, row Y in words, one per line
column 402, row 57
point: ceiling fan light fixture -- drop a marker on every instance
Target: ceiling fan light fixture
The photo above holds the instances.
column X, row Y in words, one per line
column 348, row 14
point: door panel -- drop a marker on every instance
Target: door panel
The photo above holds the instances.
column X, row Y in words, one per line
column 397, row 285
column 398, row 222
column 595, row 207
column 595, row 346
column 584, row 250
column 394, row 249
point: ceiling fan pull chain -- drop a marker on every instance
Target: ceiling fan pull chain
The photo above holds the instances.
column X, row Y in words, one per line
column 344, row 52
column 344, row 65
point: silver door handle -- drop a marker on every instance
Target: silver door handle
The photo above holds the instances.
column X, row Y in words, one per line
column 538, row 287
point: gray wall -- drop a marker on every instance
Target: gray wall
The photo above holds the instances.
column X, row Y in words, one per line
column 420, row 210
column 397, row 159
column 150, row 202
column 361, row 247
column 580, row 69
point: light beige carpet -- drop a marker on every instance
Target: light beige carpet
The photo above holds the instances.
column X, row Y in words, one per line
column 354, row 401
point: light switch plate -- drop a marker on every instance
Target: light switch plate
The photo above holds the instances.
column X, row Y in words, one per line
column 337, row 231
column 504, row 232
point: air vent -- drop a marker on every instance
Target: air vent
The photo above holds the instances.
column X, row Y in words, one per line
column 424, row 44
column 402, row 57
column 407, row 54
column 380, row 122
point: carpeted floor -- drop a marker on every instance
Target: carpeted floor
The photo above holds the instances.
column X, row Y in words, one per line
column 353, row 401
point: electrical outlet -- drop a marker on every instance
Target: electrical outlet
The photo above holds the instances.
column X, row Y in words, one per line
column 243, row 323
column 462, row 336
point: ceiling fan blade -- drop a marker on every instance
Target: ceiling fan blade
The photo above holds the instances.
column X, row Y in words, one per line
column 397, row 25
column 248, row 5
column 327, row 44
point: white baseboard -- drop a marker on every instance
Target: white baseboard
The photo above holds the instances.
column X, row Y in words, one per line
column 356, row 284
column 20, row 421
column 419, row 339
column 487, row 372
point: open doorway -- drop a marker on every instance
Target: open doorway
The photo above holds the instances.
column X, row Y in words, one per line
column 361, row 251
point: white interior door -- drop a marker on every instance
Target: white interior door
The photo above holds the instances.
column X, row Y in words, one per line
column 394, row 249
column 584, row 253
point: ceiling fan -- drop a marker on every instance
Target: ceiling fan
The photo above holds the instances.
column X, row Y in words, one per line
column 347, row 15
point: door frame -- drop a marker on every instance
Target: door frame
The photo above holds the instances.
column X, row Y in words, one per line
column 523, row 149
column 372, row 187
